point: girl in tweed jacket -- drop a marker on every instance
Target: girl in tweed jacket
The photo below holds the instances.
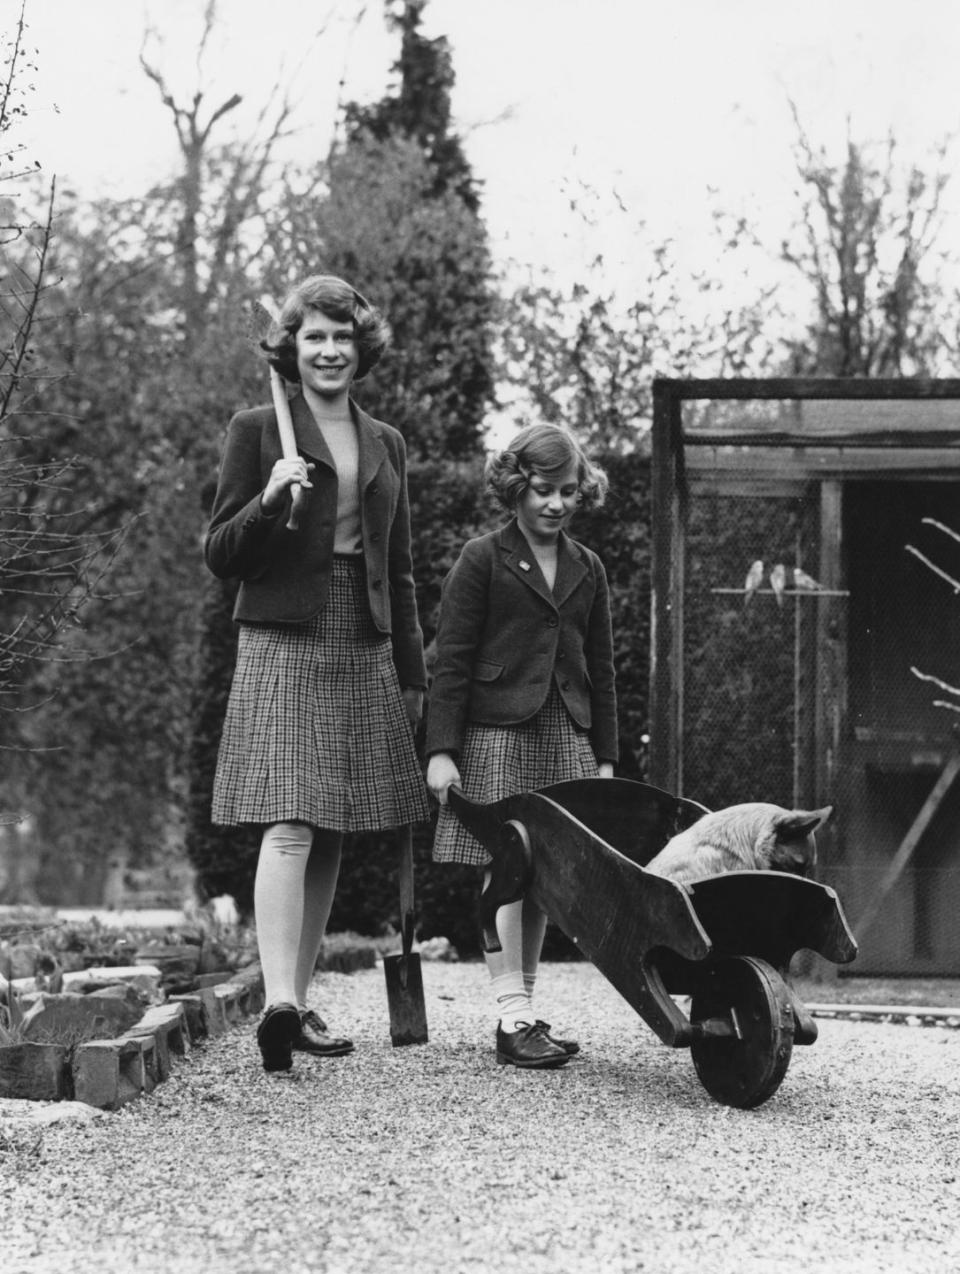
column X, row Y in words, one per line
column 329, row 682
column 523, row 692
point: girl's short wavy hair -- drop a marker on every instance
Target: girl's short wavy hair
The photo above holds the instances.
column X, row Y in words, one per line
column 544, row 450
column 335, row 298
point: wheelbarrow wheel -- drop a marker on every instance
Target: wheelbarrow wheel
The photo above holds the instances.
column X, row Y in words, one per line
column 743, row 1020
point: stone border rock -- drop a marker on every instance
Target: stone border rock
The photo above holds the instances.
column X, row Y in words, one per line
column 108, row 1073
column 907, row 1014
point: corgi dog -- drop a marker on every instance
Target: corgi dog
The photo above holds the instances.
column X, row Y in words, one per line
column 751, row 837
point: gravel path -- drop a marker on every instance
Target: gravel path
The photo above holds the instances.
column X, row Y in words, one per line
column 435, row 1159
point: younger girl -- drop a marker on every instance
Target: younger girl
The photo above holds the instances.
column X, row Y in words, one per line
column 523, row 692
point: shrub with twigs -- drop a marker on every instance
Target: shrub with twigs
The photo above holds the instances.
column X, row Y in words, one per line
column 952, row 704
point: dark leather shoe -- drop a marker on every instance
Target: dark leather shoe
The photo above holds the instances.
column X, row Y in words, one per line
column 529, row 1047
column 314, row 1037
column 570, row 1047
column 278, row 1028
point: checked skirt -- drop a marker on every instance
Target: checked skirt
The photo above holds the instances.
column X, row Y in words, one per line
column 500, row 761
column 316, row 730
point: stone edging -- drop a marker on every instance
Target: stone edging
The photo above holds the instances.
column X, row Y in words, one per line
column 907, row 1014
column 108, row 1073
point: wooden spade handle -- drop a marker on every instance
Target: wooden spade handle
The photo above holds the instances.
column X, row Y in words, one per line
column 288, row 439
column 288, row 442
column 406, row 888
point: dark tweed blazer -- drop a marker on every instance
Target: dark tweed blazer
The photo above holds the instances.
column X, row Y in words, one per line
column 286, row 574
column 504, row 638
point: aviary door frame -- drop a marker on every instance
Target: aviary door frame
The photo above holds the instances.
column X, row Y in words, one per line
column 851, row 455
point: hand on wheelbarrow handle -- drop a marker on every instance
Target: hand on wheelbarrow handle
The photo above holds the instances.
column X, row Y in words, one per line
column 510, row 867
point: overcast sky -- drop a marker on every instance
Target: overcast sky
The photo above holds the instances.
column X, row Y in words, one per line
column 646, row 104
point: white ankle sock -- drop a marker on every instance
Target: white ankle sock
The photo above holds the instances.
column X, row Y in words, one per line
column 529, row 985
column 511, row 1001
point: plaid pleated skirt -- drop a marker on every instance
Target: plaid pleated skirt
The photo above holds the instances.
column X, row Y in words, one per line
column 500, row 761
column 316, row 730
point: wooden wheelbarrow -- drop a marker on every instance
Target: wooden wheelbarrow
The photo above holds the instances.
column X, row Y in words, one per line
column 578, row 850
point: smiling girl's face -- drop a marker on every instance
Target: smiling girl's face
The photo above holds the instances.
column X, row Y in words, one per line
column 327, row 355
column 548, row 504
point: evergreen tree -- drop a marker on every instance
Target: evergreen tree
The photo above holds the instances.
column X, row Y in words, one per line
column 420, row 108
column 403, row 221
column 420, row 256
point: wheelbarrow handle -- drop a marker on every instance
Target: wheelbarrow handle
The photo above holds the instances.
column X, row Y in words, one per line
column 507, row 841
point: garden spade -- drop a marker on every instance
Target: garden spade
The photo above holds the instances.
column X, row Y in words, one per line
column 263, row 315
column 408, row 1013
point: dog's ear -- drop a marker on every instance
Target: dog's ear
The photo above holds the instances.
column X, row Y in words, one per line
column 796, row 824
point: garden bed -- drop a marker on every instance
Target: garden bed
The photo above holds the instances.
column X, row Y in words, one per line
column 93, row 1003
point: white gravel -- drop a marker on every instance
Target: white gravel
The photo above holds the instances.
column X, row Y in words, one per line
column 433, row 1158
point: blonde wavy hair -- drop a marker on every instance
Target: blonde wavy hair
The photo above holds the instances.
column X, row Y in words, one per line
column 544, row 450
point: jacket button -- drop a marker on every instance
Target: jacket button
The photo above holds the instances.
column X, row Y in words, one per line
column 375, row 535
column 372, row 490
column 376, row 583
column 564, row 685
column 553, row 621
column 559, row 654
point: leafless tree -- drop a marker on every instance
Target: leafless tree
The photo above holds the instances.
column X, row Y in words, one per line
column 51, row 562
column 222, row 190
column 867, row 243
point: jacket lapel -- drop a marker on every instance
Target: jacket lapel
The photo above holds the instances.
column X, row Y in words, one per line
column 310, row 439
column 519, row 560
column 307, row 432
column 571, row 569
column 373, row 454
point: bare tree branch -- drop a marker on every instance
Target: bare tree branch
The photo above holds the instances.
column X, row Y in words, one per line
column 954, row 584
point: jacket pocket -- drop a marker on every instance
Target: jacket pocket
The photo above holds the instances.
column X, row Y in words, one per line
column 485, row 670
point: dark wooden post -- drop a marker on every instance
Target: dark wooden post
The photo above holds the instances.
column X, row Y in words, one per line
column 666, row 643
column 805, row 656
column 831, row 697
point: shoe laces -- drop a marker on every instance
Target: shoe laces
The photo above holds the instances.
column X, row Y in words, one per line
column 530, row 1029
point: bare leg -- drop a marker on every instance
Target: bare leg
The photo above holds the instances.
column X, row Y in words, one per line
column 320, row 883
column 279, row 907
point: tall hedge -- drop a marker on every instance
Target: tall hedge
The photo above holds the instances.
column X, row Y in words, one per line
column 620, row 533
column 224, row 859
